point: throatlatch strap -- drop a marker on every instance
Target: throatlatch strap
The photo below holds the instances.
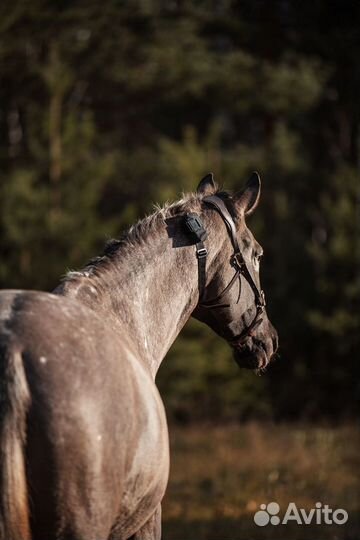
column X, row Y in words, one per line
column 201, row 254
column 215, row 302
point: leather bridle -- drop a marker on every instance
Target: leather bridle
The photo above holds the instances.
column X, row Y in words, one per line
column 196, row 228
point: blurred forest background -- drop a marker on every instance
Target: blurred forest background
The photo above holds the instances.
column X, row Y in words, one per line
column 107, row 107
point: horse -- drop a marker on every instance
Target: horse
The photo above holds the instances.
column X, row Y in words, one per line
column 84, row 449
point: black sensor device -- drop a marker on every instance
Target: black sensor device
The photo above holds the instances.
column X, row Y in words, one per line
column 194, row 225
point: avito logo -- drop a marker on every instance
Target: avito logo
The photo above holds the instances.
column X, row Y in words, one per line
column 320, row 515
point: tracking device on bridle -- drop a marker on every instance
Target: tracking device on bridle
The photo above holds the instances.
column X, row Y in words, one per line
column 198, row 232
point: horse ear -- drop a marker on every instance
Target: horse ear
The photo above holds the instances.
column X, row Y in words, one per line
column 207, row 185
column 247, row 200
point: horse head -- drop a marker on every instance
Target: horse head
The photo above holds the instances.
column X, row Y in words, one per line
column 231, row 301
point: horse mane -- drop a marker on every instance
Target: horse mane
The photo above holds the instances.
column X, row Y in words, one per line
column 138, row 233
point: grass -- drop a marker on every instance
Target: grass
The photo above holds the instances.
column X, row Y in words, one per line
column 220, row 476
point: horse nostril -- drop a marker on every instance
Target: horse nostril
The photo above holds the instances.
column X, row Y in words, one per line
column 275, row 342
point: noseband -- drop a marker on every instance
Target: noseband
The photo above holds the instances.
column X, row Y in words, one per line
column 195, row 227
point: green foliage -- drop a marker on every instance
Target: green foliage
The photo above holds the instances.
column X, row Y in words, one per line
column 334, row 248
column 106, row 108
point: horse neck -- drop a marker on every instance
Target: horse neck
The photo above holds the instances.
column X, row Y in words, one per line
column 150, row 290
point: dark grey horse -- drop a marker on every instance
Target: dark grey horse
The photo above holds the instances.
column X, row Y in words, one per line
column 84, row 449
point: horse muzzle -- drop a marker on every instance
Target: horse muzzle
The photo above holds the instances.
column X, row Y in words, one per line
column 255, row 353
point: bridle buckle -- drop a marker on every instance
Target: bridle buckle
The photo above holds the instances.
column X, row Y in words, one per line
column 201, row 253
column 262, row 302
column 238, row 261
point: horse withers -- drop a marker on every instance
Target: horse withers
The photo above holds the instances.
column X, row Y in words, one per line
column 84, row 452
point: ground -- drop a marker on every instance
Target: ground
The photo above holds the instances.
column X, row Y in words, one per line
column 221, row 475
